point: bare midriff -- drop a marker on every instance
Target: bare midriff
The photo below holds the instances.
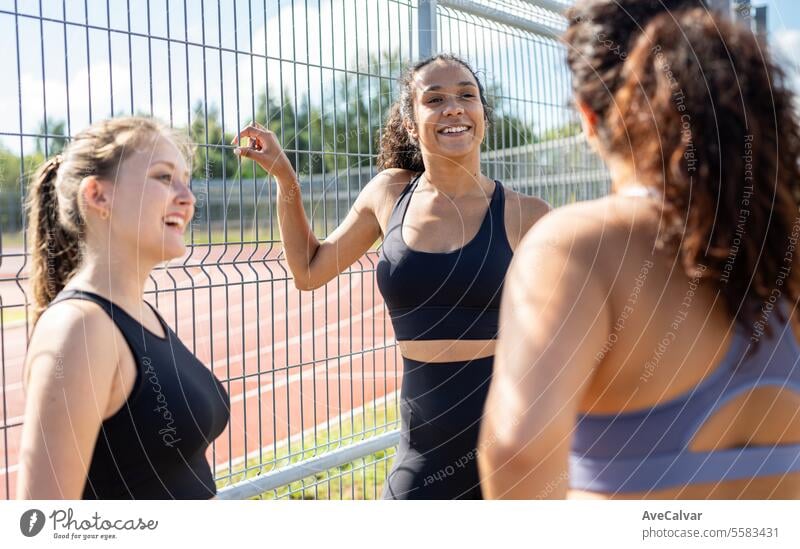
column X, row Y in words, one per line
column 447, row 350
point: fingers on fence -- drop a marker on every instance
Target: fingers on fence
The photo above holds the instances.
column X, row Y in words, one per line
column 253, row 130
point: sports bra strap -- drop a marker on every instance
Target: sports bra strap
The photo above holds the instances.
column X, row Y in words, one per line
column 118, row 315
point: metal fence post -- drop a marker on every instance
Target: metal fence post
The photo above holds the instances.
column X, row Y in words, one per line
column 761, row 20
column 427, row 28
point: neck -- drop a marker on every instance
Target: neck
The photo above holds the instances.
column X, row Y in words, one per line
column 622, row 176
column 454, row 177
column 119, row 277
column 632, row 187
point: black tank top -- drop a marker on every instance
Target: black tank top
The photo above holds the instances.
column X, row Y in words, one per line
column 452, row 295
column 154, row 446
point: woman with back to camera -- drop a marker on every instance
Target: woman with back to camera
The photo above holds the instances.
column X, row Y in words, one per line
column 663, row 360
column 116, row 406
column 448, row 236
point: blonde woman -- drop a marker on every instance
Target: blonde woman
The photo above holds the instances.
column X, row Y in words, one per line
column 116, row 406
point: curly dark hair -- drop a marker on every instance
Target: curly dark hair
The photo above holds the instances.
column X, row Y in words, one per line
column 397, row 149
column 599, row 39
column 699, row 108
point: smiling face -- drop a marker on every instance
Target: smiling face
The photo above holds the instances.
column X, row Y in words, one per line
column 449, row 119
column 152, row 203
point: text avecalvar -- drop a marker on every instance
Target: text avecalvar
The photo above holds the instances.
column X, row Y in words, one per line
column 671, row 515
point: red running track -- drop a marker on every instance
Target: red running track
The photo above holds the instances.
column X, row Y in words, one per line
column 290, row 360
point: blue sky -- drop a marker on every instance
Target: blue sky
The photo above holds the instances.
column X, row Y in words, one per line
column 136, row 75
column 128, row 76
column 783, row 20
column 783, row 15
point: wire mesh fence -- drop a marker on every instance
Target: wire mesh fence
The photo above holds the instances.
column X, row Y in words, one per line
column 309, row 374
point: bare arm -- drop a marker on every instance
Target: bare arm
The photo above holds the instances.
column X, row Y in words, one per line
column 534, row 209
column 71, row 362
column 522, row 213
column 314, row 263
column 553, row 320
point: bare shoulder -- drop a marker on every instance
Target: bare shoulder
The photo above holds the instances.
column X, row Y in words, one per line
column 574, row 229
column 522, row 211
column 389, row 183
column 393, row 177
column 383, row 190
column 598, row 236
column 73, row 336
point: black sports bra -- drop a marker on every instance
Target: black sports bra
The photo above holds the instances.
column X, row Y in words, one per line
column 452, row 295
column 154, row 446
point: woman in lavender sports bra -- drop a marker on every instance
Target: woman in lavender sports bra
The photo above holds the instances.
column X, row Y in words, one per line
column 648, row 339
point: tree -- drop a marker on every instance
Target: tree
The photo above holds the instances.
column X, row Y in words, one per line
column 52, row 137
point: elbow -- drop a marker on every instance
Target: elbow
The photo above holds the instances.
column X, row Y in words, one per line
column 305, row 284
column 502, row 456
column 304, row 277
column 510, row 447
column 496, row 449
column 301, row 277
column 525, row 467
column 302, row 284
column 501, row 467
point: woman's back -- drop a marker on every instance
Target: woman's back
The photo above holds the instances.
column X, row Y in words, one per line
column 677, row 373
column 646, row 353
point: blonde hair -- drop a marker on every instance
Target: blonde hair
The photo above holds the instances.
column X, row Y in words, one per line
column 55, row 219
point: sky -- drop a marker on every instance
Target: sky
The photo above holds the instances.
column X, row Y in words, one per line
column 133, row 75
column 783, row 21
column 86, row 76
column 783, row 15
column 91, row 77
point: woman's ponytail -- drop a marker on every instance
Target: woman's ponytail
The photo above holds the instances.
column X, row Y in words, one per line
column 55, row 248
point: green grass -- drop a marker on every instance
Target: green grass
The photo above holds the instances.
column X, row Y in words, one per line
column 361, row 479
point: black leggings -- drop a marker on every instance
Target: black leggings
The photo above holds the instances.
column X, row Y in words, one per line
column 441, row 405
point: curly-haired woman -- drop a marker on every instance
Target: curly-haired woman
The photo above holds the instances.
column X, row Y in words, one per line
column 448, row 233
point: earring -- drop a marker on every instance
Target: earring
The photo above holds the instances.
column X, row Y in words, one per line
column 104, row 214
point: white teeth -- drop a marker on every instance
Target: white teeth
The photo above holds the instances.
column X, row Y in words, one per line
column 174, row 220
column 455, row 129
